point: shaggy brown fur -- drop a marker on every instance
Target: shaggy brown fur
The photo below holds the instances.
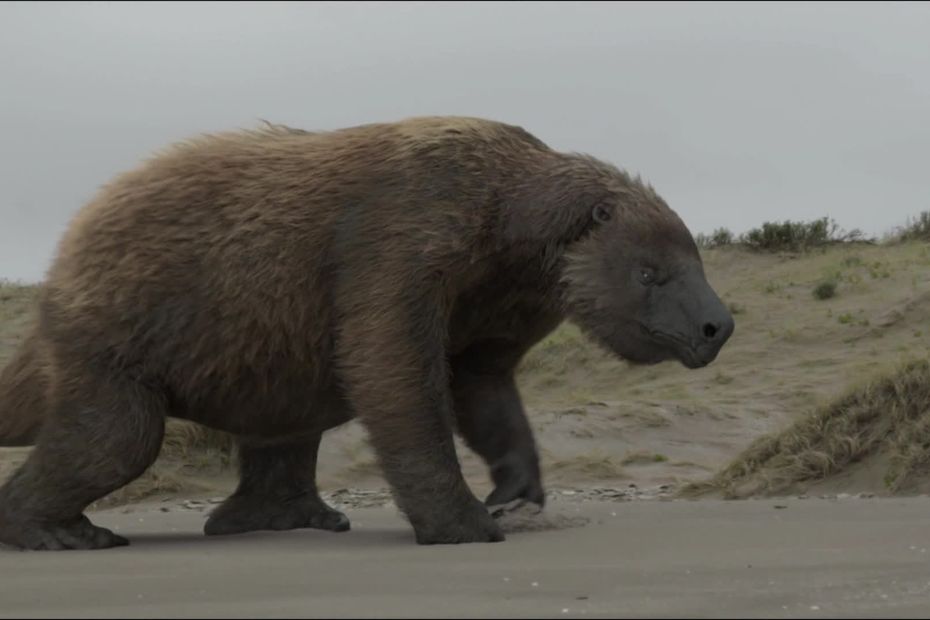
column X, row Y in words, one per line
column 24, row 389
column 276, row 283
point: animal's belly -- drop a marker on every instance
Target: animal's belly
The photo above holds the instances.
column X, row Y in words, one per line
column 284, row 409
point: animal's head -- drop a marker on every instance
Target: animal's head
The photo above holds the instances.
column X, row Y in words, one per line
column 635, row 280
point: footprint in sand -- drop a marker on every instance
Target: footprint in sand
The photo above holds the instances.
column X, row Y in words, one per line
column 529, row 518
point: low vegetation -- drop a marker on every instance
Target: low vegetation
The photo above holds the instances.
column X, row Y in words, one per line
column 786, row 236
column 825, row 289
column 799, row 236
column 916, row 229
column 886, row 420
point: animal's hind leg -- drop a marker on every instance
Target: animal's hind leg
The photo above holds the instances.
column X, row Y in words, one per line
column 102, row 433
column 277, row 491
column 24, row 394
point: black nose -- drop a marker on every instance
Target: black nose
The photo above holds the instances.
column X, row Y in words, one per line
column 718, row 331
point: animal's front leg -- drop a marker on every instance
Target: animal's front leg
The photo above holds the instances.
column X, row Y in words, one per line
column 393, row 364
column 492, row 420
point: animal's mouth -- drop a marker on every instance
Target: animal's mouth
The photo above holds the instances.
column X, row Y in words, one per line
column 686, row 352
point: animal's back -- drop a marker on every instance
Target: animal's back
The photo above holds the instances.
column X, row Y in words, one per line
column 212, row 266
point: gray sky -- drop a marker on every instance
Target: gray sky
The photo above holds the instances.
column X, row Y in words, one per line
column 737, row 113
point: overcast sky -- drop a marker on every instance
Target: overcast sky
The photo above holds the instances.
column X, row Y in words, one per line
column 737, row 113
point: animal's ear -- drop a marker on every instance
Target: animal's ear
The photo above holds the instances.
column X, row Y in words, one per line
column 554, row 208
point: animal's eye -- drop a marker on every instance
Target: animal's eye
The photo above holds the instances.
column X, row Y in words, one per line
column 647, row 276
column 601, row 214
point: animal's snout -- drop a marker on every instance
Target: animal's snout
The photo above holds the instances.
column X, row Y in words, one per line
column 718, row 331
column 714, row 334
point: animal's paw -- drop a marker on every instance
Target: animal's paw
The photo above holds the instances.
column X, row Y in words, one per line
column 469, row 524
column 517, row 481
column 79, row 533
column 248, row 513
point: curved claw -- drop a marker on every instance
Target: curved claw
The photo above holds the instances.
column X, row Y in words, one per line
column 513, row 491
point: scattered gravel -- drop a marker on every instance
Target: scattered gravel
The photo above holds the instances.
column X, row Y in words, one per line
column 611, row 494
column 348, row 499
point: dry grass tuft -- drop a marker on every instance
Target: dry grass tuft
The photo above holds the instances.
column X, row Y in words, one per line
column 593, row 466
column 888, row 416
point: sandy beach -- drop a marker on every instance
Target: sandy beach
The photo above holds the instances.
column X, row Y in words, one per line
column 789, row 558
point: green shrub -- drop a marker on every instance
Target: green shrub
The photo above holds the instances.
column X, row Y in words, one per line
column 794, row 236
column 916, row 229
column 825, row 289
column 798, row 236
column 721, row 236
column 718, row 238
